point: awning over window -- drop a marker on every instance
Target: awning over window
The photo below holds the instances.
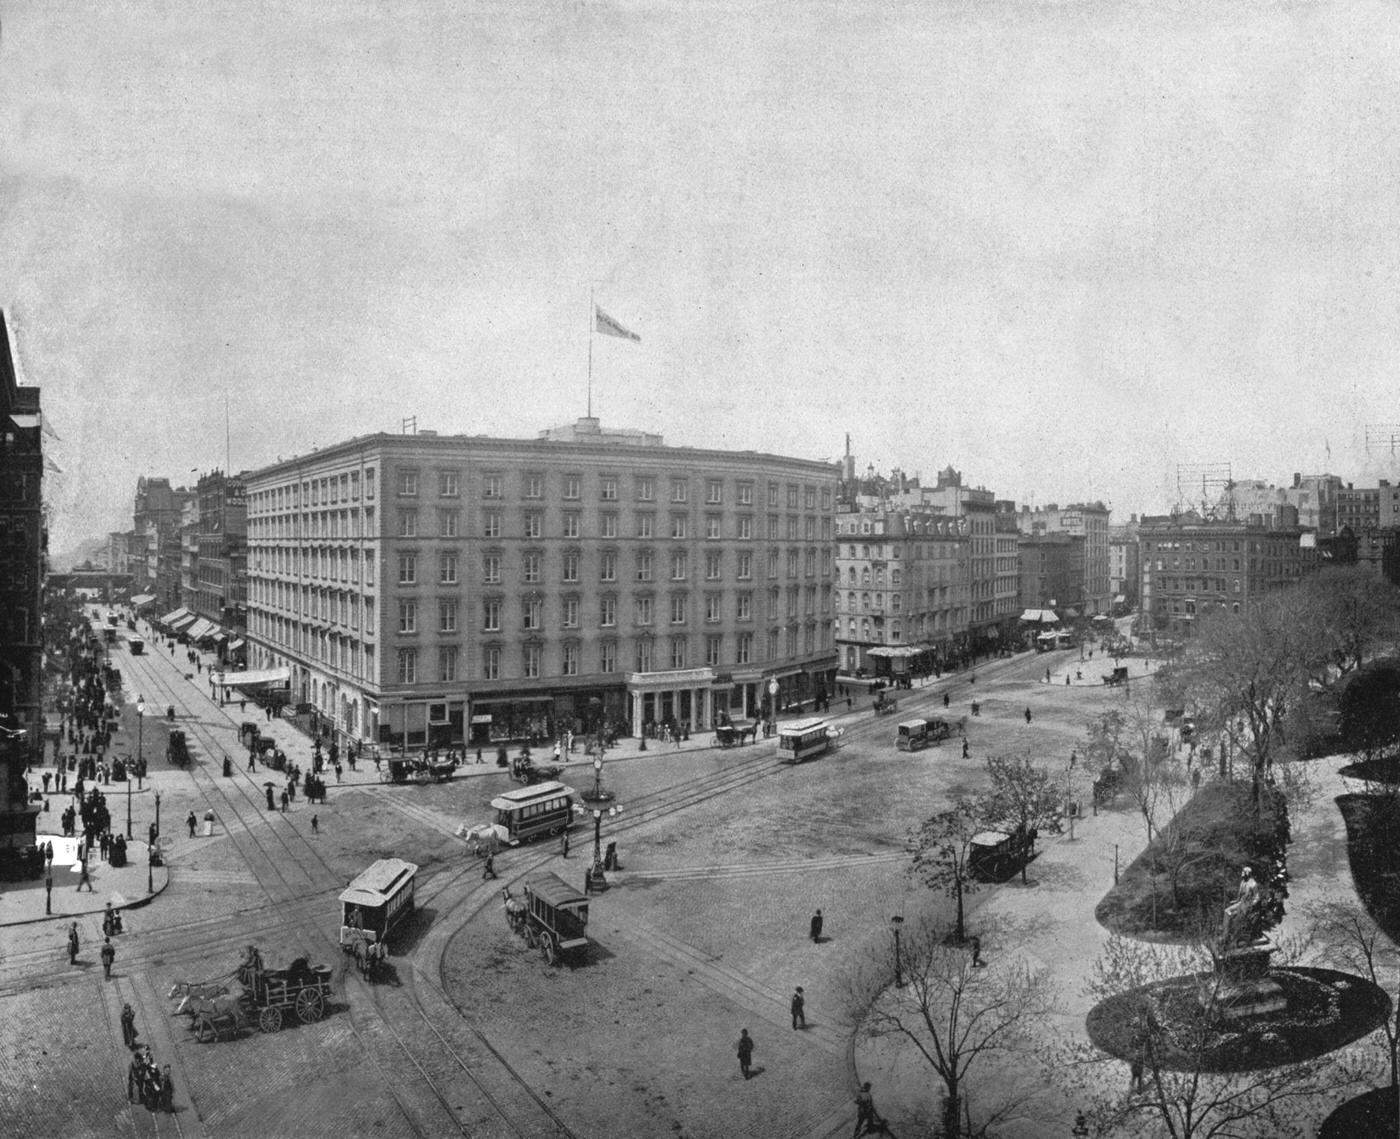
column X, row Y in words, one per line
column 174, row 615
column 200, row 628
column 182, row 623
column 1041, row 616
column 265, row 678
column 235, row 644
column 142, row 599
column 894, row 652
column 220, row 636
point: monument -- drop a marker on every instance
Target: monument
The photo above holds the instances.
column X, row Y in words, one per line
column 1241, row 986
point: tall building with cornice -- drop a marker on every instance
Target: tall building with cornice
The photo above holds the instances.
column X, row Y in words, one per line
column 444, row 589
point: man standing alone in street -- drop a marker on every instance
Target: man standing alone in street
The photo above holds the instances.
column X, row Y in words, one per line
column 108, row 954
column 799, row 1008
column 73, row 943
column 816, row 928
column 745, row 1048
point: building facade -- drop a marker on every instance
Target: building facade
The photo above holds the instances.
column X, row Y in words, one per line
column 902, row 579
column 1089, row 520
column 1052, row 571
column 1190, row 564
column 221, row 579
column 23, row 557
column 423, row 588
column 1124, row 570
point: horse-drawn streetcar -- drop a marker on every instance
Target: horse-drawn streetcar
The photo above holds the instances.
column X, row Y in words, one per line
column 552, row 916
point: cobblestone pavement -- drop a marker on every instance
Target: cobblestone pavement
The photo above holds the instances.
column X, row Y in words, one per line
column 703, row 932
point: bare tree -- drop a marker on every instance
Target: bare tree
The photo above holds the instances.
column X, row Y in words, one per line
column 958, row 1014
column 1239, row 674
column 1021, row 795
column 941, row 846
column 1344, row 935
column 1191, row 1099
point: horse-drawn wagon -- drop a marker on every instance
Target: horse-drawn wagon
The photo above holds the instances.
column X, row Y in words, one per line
column 268, row 996
column 733, row 735
column 551, row 915
column 524, row 770
column 884, row 705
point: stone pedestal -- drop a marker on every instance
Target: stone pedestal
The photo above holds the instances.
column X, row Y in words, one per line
column 1244, row 988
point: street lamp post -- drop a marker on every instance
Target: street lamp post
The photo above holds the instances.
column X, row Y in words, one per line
column 599, row 881
column 157, row 814
column 896, row 923
column 140, row 713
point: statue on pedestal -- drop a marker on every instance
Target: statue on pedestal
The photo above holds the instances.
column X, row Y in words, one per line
column 1242, row 924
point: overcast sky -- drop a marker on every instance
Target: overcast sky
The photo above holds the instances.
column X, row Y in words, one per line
column 1064, row 247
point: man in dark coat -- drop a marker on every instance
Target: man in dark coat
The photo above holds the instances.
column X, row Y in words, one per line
column 108, row 954
column 73, row 943
column 745, row 1050
column 816, row 929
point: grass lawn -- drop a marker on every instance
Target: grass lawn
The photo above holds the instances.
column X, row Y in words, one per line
column 1177, row 888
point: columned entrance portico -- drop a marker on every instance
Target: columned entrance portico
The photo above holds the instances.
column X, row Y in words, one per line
column 680, row 697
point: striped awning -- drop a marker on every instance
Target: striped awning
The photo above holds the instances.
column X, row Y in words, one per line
column 200, row 628
column 174, row 615
column 181, row 623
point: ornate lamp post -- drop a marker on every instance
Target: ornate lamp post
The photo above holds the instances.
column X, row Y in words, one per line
column 896, row 924
column 597, row 793
column 140, row 713
column 599, row 882
column 157, row 814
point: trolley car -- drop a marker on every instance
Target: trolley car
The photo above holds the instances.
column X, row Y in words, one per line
column 802, row 739
column 539, row 810
column 554, row 918
column 377, row 902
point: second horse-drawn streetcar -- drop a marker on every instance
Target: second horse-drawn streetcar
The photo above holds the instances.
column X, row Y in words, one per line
column 551, row 915
column 372, row 907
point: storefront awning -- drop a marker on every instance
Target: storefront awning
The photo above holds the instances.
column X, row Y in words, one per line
column 235, row 644
column 142, row 599
column 1045, row 616
column 200, row 628
column 264, row 678
column 182, row 623
column 174, row 615
column 894, row 652
column 220, row 636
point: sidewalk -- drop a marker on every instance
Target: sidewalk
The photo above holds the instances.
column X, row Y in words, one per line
column 125, row 887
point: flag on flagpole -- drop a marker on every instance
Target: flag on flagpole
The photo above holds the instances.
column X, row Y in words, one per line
column 605, row 324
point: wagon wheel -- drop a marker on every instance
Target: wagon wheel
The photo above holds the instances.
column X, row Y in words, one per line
column 204, row 1028
column 530, row 936
column 310, row 1006
column 548, row 948
column 270, row 1019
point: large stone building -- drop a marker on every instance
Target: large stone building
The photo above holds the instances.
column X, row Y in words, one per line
column 1190, row 563
column 902, row 581
column 23, row 554
column 156, row 557
column 1124, row 567
column 445, row 588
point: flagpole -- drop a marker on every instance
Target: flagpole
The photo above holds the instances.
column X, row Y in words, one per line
column 591, row 322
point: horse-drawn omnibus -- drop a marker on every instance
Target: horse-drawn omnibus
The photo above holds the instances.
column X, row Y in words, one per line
column 917, row 734
column 374, row 904
column 803, row 738
column 537, row 811
column 553, row 916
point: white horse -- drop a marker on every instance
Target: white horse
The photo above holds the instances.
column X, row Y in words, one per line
column 206, row 989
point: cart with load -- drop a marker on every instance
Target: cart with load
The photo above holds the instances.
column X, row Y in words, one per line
column 274, row 994
column 884, row 705
column 523, row 770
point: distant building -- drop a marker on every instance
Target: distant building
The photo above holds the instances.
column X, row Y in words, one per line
column 156, row 556
column 902, row 580
column 1124, row 567
column 1052, row 571
column 1190, row 564
column 1089, row 520
column 449, row 589
column 221, row 585
column 23, row 557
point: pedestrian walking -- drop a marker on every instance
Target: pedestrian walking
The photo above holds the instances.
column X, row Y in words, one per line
column 745, row 1050
column 816, row 927
column 167, row 1090
column 489, row 870
column 108, row 953
column 128, row 1026
column 945, row 699
column 1028, row 715
column 190, row 822
column 285, row 799
column 964, row 755
column 799, row 1008
column 73, row 943
column 84, row 878
column 337, row 772
column 315, row 825
column 242, row 705
column 134, row 1075
column 564, row 844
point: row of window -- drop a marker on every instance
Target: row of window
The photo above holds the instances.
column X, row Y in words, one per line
column 534, row 485
column 647, row 655
column 644, row 566
column 330, row 489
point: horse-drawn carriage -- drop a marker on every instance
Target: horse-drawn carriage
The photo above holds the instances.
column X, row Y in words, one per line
column 884, row 704
column 372, row 907
column 731, row 735
column 523, row 770
column 177, row 750
column 551, row 915
column 268, row 996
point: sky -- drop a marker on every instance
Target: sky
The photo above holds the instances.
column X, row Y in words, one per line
column 1064, row 247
